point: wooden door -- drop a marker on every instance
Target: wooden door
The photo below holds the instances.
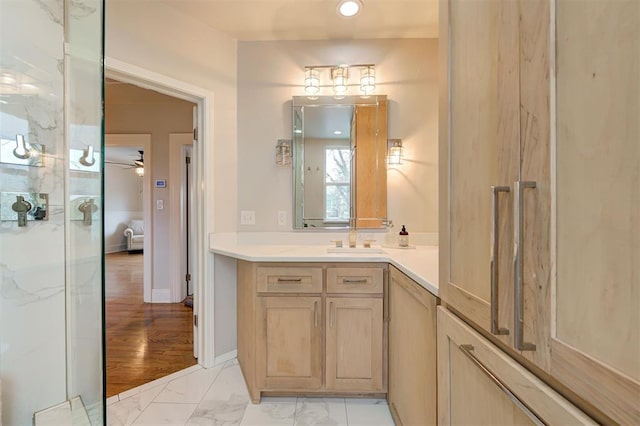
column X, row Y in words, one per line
column 412, row 351
column 480, row 385
column 354, row 338
column 289, row 343
column 479, row 159
column 595, row 340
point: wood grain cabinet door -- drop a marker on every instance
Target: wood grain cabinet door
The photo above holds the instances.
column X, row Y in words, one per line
column 478, row 384
column 595, row 247
column 480, row 166
column 354, row 338
column 412, row 351
column 289, row 343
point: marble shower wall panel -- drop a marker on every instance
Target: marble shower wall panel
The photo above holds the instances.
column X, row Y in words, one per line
column 32, row 268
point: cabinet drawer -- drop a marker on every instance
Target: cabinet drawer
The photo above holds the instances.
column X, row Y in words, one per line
column 289, row 280
column 354, row 280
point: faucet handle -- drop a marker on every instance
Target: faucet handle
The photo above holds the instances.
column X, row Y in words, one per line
column 87, row 208
column 337, row 242
column 21, row 207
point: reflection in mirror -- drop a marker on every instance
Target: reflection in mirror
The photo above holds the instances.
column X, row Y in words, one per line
column 339, row 147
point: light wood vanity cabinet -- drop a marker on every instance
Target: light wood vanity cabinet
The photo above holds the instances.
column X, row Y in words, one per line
column 539, row 169
column 299, row 333
column 412, row 351
column 480, row 385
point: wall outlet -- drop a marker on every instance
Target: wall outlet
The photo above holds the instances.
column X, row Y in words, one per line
column 159, row 204
column 247, row 217
column 282, row 217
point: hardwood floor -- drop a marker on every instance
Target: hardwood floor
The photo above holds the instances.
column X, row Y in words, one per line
column 145, row 341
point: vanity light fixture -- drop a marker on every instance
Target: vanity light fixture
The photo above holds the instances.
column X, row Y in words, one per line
column 339, row 75
column 311, row 81
column 283, row 152
column 367, row 80
column 395, row 151
column 349, row 8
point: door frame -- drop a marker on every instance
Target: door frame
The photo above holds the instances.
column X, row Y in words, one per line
column 144, row 141
column 203, row 176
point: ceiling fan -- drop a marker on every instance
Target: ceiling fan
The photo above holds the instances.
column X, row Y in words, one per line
column 138, row 164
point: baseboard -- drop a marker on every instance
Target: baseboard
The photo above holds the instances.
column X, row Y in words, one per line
column 225, row 357
column 160, row 295
column 116, row 248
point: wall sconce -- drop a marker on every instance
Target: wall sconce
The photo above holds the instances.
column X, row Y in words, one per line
column 339, row 75
column 395, row 151
column 283, row 152
column 139, row 171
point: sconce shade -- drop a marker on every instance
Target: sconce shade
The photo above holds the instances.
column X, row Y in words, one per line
column 311, row 81
column 340, row 76
column 367, row 80
column 283, row 152
column 396, row 152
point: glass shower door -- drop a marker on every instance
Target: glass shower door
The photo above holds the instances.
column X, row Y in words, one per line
column 50, row 211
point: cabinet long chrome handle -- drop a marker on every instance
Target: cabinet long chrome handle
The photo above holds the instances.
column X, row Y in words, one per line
column 495, row 240
column 518, row 266
column 315, row 314
column 330, row 314
column 466, row 349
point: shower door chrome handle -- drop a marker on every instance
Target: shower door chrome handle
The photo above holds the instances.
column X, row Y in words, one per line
column 518, row 261
column 495, row 238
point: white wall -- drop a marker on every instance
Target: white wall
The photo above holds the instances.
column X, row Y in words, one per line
column 122, row 203
column 270, row 73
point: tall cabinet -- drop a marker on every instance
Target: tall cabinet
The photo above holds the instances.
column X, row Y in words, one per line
column 540, row 160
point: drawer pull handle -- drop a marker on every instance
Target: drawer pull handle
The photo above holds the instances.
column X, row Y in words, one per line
column 466, row 349
column 518, row 259
column 495, row 237
column 289, row 280
column 354, row 281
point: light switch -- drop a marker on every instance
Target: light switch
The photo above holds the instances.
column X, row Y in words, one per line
column 160, row 204
column 282, row 217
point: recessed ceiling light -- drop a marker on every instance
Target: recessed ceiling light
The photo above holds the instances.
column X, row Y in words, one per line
column 337, row 132
column 349, row 8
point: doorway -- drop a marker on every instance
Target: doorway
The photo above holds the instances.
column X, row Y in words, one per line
column 148, row 327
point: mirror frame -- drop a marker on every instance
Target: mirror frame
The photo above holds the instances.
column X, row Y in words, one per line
column 368, row 185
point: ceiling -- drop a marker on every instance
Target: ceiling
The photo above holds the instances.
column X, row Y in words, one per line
column 250, row 20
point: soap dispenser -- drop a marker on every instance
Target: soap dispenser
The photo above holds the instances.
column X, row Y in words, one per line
column 403, row 240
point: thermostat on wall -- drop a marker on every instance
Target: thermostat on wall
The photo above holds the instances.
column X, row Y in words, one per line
column 161, row 183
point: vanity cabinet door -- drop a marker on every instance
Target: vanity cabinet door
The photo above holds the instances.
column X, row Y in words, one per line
column 289, row 343
column 412, row 351
column 480, row 385
column 354, row 344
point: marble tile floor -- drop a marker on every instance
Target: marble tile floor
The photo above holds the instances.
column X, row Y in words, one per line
column 218, row 396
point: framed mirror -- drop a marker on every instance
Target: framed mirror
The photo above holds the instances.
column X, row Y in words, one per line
column 339, row 152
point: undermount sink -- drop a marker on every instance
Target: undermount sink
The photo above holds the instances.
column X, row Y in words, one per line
column 372, row 250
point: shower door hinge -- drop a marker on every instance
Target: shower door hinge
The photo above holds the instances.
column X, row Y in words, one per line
column 195, row 320
column 187, row 277
column 187, row 160
column 195, row 134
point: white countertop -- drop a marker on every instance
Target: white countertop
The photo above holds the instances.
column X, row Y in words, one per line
column 420, row 264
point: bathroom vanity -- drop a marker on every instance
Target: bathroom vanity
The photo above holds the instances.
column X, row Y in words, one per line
column 319, row 323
